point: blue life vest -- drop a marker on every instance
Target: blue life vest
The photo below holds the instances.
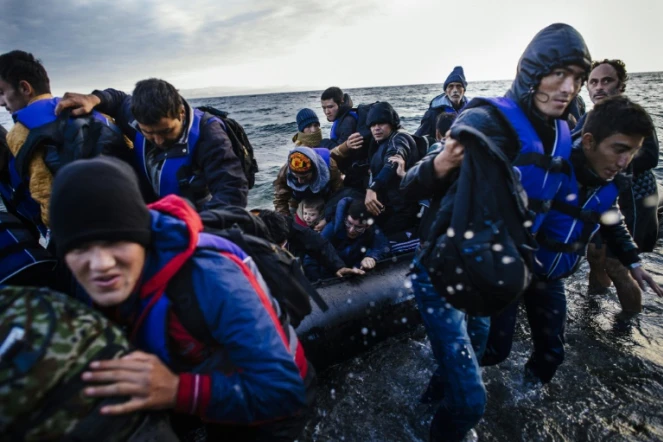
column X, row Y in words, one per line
column 19, row 248
column 151, row 335
column 541, row 174
column 332, row 132
column 177, row 172
column 569, row 227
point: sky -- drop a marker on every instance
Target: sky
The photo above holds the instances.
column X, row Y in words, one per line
column 229, row 47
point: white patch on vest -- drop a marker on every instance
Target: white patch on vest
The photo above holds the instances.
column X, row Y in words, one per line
column 15, row 335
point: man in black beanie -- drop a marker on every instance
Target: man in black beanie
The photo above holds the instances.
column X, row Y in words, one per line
column 213, row 347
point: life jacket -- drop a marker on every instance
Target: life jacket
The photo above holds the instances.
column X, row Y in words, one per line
column 300, row 195
column 177, row 171
column 150, row 332
column 541, row 174
column 569, row 227
column 332, row 132
column 19, row 248
column 77, row 138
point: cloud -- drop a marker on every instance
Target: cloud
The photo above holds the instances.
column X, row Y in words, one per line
column 89, row 42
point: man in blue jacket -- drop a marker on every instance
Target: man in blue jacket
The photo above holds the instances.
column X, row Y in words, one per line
column 451, row 101
column 178, row 149
column 213, row 343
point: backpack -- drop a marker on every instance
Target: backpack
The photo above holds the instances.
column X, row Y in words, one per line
column 240, row 142
column 46, row 341
column 281, row 271
column 479, row 251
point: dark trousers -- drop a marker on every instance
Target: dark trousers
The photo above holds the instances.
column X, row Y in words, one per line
column 545, row 303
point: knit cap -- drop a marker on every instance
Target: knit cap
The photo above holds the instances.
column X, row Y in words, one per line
column 305, row 117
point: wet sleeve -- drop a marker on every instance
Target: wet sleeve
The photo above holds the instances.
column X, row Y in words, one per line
column 223, row 171
column 252, row 377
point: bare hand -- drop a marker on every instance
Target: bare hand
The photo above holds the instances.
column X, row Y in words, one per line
column 641, row 276
column 321, row 225
column 374, row 206
column 80, row 104
column 400, row 171
column 367, row 263
column 450, row 158
column 348, row 271
column 355, row 141
column 143, row 377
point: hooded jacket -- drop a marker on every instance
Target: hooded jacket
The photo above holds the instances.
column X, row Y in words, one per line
column 372, row 243
column 216, row 177
column 438, row 105
column 555, row 46
column 327, row 180
column 257, row 372
column 344, row 125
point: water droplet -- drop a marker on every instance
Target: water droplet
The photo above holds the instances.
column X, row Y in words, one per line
column 500, row 282
column 468, row 234
column 404, row 320
column 459, row 270
column 528, row 224
column 373, row 333
column 459, row 287
column 508, row 259
column 333, row 393
column 497, row 247
column 447, row 305
column 364, row 331
column 450, row 232
column 430, row 310
column 650, row 201
column 407, row 284
column 571, row 197
column 370, row 221
column 372, row 303
column 363, row 250
column 349, row 301
column 611, row 217
column 450, row 290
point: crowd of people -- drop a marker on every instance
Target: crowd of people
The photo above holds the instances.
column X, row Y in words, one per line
column 105, row 197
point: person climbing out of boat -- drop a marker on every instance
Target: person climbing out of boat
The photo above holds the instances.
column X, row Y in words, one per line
column 308, row 172
column 308, row 125
column 213, row 345
column 177, row 149
column 40, row 143
column 586, row 204
column 638, row 202
column 529, row 124
column 384, row 200
column 451, row 101
column 310, row 212
column 356, row 238
column 302, row 241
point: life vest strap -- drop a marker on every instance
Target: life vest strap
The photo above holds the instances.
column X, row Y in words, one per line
column 586, row 216
column 557, row 246
column 546, row 162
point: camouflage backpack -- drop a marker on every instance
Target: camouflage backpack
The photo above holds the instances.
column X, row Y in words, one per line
column 46, row 341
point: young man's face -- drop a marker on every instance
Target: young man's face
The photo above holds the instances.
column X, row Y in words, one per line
column 455, row 92
column 612, row 155
column 311, row 216
column 354, row 228
column 381, row 131
column 312, row 128
column 603, row 83
column 557, row 89
column 13, row 99
column 166, row 132
column 107, row 271
column 330, row 108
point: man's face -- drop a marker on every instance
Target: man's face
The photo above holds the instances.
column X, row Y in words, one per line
column 312, row 128
column 557, row 89
column 311, row 216
column 107, row 271
column 13, row 99
column 455, row 92
column 381, row 131
column 330, row 108
column 303, row 178
column 603, row 83
column 354, row 228
column 166, row 132
column 612, row 155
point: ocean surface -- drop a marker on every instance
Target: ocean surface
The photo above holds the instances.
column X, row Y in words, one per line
column 609, row 388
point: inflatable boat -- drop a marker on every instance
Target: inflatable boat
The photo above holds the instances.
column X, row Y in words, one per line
column 362, row 311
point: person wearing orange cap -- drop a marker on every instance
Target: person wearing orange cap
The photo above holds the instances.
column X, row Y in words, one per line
column 309, row 172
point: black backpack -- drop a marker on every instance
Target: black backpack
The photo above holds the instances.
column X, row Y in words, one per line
column 479, row 251
column 240, row 142
column 281, row 271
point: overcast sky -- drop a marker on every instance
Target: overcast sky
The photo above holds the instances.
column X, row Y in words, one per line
column 240, row 46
